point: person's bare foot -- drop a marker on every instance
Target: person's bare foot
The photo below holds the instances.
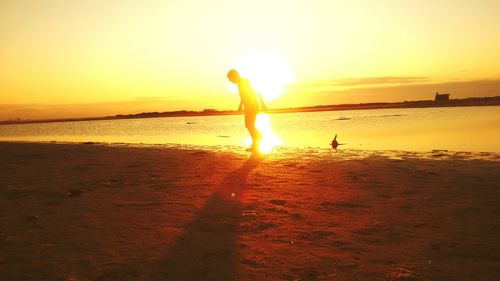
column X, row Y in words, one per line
column 252, row 148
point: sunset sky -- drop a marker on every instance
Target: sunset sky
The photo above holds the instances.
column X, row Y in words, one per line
column 66, row 58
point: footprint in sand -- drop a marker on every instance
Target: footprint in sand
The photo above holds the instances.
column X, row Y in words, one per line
column 344, row 205
column 278, row 202
column 274, row 210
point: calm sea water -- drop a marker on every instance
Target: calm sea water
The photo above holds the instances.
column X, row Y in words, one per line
column 475, row 129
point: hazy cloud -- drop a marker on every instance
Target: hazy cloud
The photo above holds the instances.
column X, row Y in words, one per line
column 380, row 80
column 363, row 81
column 397, row 93
column 157, row 98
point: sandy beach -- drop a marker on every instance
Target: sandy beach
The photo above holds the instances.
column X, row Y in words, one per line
column 102, row 212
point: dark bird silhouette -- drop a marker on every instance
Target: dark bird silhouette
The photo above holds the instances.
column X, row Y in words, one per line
column 335, row 143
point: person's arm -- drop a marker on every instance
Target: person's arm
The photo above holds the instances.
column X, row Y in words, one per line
column 240, row 107
column 262, row 104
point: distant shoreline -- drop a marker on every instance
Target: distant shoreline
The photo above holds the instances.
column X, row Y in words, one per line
column 485, row 101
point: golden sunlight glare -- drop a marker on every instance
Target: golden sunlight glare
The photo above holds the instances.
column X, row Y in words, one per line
column 267, row 72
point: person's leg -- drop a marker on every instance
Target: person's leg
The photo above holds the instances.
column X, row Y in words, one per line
column 250, row 118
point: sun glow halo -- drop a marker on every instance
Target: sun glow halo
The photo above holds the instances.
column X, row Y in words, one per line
column 267, row 72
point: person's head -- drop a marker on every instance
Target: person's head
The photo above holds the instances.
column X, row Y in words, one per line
column 233, row 76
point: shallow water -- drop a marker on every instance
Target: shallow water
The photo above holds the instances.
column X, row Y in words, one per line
column 475, row 129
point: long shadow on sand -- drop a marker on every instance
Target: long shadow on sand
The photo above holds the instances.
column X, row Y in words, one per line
column 208, row 248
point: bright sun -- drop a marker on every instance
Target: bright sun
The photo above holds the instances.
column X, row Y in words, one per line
column 267, row 72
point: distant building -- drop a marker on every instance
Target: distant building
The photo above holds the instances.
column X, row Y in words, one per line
column 442, row 97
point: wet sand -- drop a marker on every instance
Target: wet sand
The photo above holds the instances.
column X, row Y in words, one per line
column 100, row 212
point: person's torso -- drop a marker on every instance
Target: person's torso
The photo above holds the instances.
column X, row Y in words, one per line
column 247, row 94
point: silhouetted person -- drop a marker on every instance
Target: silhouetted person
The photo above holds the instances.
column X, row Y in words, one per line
column 252, row 102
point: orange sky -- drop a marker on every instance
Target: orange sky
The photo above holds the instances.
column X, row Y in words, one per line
column 64, row 58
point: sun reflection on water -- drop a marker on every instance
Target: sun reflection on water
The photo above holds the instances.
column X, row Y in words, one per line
column 269, row 138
